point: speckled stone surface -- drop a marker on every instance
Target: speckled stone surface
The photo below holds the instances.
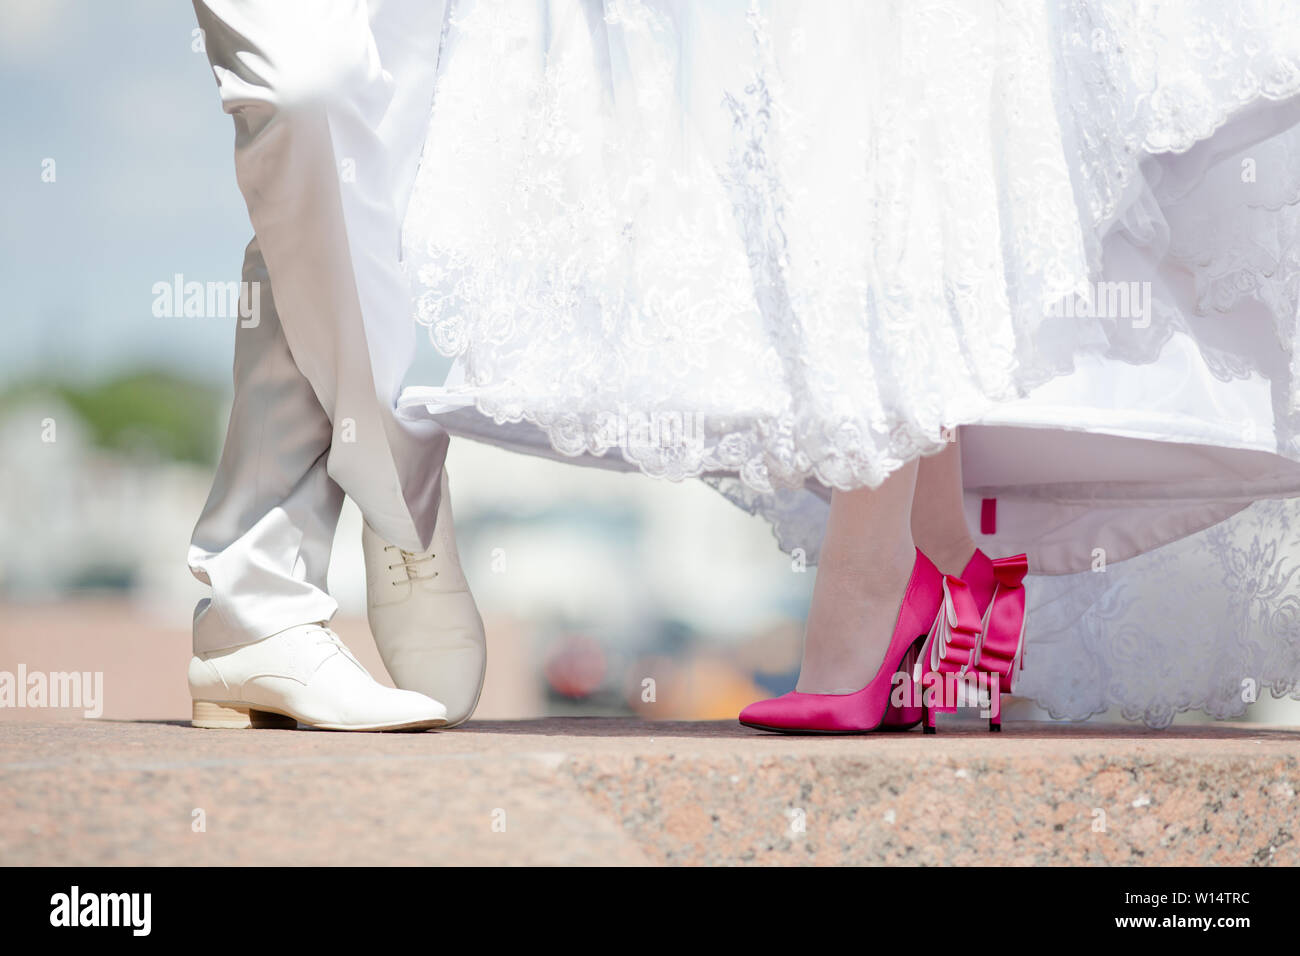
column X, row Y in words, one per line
column 594, row 790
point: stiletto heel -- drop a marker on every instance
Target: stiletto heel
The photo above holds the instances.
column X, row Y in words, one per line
column 988, row 581
column 1000, row 653
column 927, row 594
column 946, row 654
column 995, row 709
column 905, row 714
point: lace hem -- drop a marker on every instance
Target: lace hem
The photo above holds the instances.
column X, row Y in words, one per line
column 1208, row 623
column 675, row 270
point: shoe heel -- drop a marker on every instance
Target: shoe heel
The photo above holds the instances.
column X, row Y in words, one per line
column 995, row 707
column 215, row 716
column 929, row 721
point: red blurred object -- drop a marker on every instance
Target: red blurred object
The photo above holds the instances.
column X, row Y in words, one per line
column 576, row 668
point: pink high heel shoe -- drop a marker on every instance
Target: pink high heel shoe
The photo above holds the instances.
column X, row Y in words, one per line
column 919, row 622
column 1000, row 652
column 945, row 656
column 1000, row 649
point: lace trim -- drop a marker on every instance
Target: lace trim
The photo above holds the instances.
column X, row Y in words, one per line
column 650, row 266
column 1208, row 623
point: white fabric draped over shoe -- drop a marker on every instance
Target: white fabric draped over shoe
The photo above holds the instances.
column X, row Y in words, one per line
column 328, row 101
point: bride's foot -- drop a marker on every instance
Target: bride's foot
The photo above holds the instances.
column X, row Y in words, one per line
column 950, row 556
column 863, row 710
column 854, row 609
column 938, row 515
column 866, row 558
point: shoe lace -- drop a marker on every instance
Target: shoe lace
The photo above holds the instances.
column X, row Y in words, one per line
column 411, row 562
column 327, row 637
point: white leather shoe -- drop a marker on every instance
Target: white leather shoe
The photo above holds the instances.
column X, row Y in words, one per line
column 306, row 674
column 424, row 619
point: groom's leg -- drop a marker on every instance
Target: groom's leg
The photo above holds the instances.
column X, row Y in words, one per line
column 263, row 541
column 330, row 100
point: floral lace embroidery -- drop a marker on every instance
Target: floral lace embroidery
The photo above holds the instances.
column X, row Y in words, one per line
column 679, row 224
column 816, row 236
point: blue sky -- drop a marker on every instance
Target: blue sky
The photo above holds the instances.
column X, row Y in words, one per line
column 145, row 188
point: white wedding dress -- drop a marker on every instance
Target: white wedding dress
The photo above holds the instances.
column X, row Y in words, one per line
column 787, row 246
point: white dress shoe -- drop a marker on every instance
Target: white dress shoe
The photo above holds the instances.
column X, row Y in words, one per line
column 424, row 619
column 306, row 674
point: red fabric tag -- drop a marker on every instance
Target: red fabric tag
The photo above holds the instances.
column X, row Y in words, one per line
column 989, row 516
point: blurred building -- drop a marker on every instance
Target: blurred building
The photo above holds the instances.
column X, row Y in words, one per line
column 603, row 592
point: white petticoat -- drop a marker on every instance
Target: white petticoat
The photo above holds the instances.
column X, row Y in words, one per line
column 788, row 246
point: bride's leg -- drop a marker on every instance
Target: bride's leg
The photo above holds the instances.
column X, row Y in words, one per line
column 866, row 559
column 938, row 520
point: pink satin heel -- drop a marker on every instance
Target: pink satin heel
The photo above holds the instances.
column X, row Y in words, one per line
column 947, row 652
column 999, row 655
column 997, row 589
column 919, row 624
column 903, row 714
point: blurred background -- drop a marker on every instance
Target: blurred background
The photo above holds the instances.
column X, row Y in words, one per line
column 118, row 174
column 602, row 593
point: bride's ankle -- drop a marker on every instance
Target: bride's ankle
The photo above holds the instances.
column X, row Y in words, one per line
column 950, row 556
column 868, row 575
column 850, row 622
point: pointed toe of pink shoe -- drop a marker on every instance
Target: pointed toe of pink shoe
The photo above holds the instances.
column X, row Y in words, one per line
column 772, row 714
column 862, row 711
column 796, row 713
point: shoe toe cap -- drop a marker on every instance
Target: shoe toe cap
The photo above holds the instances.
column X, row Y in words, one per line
column 417, row 707
column 768, row 713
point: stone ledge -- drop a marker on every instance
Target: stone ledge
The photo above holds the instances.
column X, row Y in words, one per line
column 610, row 790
